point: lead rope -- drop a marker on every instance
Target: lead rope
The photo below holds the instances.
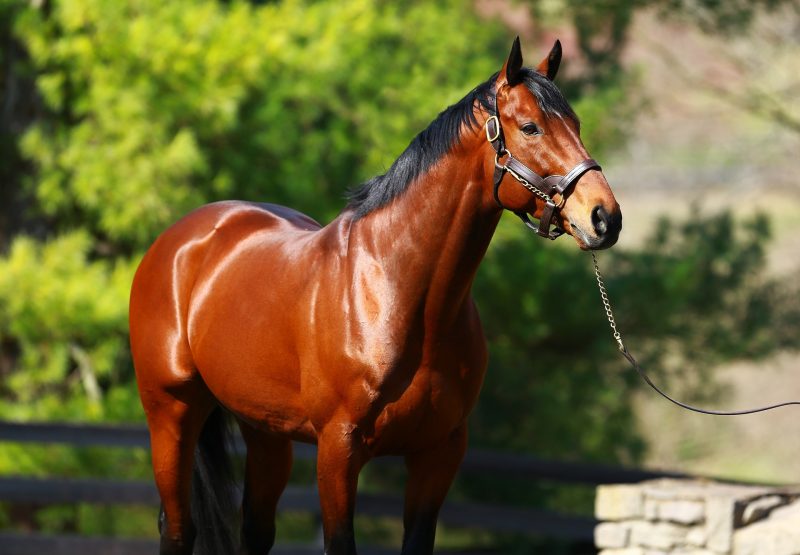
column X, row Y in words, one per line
column 624, row 350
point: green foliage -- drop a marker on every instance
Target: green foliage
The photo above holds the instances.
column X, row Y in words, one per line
column 147, row 109
column 161, row 106
column 91, row 520
column 153, row 108
column 68, row 315
column 707, row 271
column 696, row 285
column 550, row 364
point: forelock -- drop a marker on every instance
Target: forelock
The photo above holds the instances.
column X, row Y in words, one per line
column 549, row 97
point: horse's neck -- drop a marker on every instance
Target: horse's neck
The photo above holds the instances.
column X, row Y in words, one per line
column 431, row 239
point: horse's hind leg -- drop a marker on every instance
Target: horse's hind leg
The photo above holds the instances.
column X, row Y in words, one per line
column 269, row 463
column 430, row 474
column 175, row 422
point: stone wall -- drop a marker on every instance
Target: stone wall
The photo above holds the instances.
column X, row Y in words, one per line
column 690, row 517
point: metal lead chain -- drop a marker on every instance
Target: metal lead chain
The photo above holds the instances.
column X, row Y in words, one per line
column 643, row 374
column 607, row 304
column 542, row 195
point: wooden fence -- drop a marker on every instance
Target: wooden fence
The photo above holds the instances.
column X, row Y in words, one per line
column 495, row 518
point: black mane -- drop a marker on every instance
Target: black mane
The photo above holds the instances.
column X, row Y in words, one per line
column 440, row 136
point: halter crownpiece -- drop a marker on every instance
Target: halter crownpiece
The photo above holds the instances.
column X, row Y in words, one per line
column 553, row 189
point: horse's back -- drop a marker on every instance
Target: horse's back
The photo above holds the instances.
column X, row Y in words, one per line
column 179, row 251
column 236, row 216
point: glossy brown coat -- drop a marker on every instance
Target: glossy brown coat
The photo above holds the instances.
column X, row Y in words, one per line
column 360, row 336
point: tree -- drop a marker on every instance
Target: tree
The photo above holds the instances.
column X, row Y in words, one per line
column 151, row 109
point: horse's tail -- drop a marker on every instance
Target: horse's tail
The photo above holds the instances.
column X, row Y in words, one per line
column 213, row 506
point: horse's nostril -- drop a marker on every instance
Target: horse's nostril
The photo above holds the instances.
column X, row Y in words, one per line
column 600, row 220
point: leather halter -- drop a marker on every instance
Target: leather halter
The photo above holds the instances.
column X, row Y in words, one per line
column 553, row 189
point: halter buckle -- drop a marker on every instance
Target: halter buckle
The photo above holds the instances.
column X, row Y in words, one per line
column 496, row 136
column 502, row 154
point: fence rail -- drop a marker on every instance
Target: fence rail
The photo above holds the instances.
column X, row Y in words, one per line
column 53, row 491
column 476, row 461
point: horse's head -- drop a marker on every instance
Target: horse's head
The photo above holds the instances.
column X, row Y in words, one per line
column 542, row 167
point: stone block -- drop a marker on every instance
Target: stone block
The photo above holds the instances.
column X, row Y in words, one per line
column 668, row 489
column 657, row 535
column 619, row 502
column 650, row 509
column 697, row 536
column 611, row 535
column 682, row 512
column 719, row 523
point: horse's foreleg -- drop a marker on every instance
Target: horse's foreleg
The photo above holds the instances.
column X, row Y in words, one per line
column 340, row 456
column 430, row 474
column 267, row 470
column 174, row 430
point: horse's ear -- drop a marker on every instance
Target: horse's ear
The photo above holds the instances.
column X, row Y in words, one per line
column 511, row 69
column 549, row 66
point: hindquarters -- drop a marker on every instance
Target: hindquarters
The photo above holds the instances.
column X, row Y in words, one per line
column 160, row 297
column 164, row 289
column 176, row 402
column 176, row 399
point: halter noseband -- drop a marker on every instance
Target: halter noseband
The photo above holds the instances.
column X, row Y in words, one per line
column 546, row 188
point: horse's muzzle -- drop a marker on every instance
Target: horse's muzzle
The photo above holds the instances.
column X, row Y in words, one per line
column 606, row 226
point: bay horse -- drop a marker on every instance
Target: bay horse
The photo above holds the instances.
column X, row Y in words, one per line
column 360, row 336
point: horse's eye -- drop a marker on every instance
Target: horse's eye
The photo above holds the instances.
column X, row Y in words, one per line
column 531, row 129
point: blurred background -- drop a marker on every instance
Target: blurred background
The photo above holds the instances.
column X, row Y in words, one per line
column 119, row 116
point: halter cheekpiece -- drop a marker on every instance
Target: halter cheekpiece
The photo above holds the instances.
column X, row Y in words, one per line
column 553, row 189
